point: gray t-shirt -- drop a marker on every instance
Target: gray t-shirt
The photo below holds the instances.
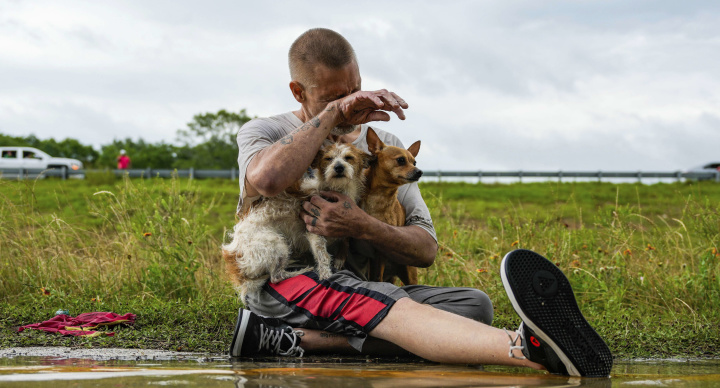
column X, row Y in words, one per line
column 259, row 133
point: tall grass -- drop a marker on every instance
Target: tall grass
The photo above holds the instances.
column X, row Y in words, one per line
column 619, row 259
column 637, row 256
column 141, row 239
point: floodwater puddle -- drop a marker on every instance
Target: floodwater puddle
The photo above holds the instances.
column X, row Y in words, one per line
column 203, row 371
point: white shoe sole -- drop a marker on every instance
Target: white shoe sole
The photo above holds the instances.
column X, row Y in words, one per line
column 240, row 327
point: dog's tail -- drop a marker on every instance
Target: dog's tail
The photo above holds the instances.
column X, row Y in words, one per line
column 231, row 268
column 242, row 284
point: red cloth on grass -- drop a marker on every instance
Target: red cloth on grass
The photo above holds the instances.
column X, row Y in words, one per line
column 83, row 324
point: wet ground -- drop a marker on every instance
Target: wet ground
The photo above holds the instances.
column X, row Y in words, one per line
column 63, row 367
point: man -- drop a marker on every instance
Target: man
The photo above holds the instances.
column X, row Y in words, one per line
column 347, row 313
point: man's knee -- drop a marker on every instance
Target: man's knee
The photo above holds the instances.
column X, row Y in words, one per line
column 484, row 312
column 464, row 301
column 476, row 305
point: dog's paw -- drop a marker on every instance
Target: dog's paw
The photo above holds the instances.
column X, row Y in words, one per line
column 298, row 272
column 324, row 273
column 278, row 276
column 339, row 264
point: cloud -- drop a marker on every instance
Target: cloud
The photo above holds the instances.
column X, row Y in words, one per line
column 73, row 120
column 492, row 85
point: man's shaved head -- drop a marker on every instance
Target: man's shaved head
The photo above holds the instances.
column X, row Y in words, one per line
column 318, row 46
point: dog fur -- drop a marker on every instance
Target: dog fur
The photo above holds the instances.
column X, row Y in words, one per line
column 390, row 168
column 272, row 231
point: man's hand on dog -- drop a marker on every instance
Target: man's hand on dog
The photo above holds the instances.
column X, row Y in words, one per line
column 363, row 107
column 332, row 214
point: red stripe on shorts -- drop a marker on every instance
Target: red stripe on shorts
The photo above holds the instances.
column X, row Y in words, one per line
column 361, row 309
column 293, row 287
column 323, row 301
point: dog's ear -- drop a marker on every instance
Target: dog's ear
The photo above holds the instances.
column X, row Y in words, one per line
column 368, row 160
column 375, row 145
column 414, row 148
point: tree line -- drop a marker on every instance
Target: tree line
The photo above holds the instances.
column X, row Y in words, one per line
column 208, row 142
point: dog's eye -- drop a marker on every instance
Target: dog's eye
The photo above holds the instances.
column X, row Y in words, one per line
column 401, row 161
column 349, row 158
column 414, row 163
column 328, row 159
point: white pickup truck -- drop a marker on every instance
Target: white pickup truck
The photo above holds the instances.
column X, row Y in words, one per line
column 13, row 159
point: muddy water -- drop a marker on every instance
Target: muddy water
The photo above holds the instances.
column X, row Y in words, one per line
column 203, row 371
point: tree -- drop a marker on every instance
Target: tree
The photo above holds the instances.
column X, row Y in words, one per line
column 209, row 140
column 220, row 127
column 7, row 140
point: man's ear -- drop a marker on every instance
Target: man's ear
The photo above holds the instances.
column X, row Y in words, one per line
column 375, row 145
column 414, row 148
column 298, row 91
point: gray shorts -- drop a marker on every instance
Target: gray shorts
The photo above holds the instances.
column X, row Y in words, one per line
column 347, row 305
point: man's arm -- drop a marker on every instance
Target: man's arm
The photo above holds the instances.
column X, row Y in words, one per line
column 341, row 217
column 276, row 167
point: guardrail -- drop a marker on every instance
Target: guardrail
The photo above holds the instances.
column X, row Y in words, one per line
column 599, row 175
column 65, row 173
column 24, row 173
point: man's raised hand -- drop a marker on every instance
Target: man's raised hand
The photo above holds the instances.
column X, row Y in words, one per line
column 363, row 107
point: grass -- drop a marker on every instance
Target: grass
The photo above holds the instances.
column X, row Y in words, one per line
column 643, row 259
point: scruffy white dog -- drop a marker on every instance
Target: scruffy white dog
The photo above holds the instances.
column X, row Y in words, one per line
column 272, row 231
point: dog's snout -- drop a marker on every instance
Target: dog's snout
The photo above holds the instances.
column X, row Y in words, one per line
column 416, row 174
column 339, row 168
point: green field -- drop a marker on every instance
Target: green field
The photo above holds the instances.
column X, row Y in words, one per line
column 643, row 259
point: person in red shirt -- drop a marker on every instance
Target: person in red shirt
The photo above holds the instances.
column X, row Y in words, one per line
column 123, row 161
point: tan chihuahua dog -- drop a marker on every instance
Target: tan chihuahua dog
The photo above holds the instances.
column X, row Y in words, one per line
column 391, row 168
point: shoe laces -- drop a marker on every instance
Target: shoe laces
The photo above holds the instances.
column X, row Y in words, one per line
column 271, row 338
column 513, row 341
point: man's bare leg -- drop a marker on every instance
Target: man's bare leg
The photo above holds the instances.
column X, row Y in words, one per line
column 444, row 337
column 316, row 341
column 430, row 333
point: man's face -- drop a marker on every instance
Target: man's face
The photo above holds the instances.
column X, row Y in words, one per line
column 331, row 85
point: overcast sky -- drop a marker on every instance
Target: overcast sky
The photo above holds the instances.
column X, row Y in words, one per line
column 492, row 85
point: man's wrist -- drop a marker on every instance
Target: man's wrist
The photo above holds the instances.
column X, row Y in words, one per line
column 369, row 228
column 333, row 113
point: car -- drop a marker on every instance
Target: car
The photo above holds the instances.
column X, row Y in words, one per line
column 14, row 159
column 704, row 172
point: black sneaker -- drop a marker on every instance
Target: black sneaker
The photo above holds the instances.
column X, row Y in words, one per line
column 259, row 336
column 554, row 332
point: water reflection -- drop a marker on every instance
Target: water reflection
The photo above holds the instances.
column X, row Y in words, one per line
column 311, row 378
column 310, row 373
